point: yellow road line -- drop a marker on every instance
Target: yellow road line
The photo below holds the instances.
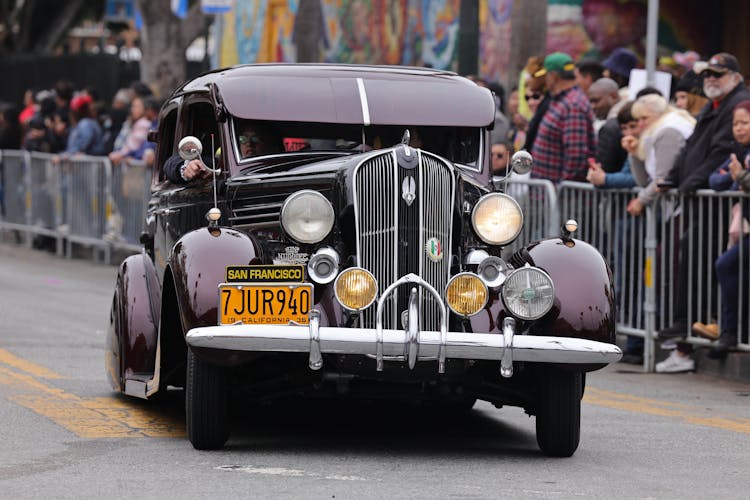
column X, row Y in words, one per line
column 27, row 366
column 88, row 417
column 116, row 418
column 688, row 414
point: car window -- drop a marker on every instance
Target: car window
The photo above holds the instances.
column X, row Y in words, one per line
column 166, row 137
column 201, row 122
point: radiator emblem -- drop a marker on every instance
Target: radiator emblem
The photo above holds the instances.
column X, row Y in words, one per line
column 434, row 249
column 409, row 190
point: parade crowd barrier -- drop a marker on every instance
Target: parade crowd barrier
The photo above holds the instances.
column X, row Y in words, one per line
column 86, row 201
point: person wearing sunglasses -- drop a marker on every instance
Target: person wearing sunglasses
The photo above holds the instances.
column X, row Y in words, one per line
column 254, row 139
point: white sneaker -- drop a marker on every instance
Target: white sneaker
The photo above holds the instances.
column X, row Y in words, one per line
column 676, row 363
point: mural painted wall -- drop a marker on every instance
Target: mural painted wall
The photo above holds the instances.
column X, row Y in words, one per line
column 593, row 28
column 425, row 32
column 415, row 32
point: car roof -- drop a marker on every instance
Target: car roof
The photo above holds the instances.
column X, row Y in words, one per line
column 349, row 94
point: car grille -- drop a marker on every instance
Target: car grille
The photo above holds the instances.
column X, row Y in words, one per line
column 392, row 236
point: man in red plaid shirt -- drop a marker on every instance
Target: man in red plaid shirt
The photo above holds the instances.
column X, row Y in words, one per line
column 566, row 137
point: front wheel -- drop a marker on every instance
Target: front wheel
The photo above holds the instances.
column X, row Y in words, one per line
column 206, row 404
column 558, row 418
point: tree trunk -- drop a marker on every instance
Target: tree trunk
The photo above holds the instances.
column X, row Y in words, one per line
column 307, row 30
column 60, row 25
column 528, row 35
column 164, row 40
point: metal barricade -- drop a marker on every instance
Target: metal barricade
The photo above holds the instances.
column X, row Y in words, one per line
column 16, row 193
column 46, row 201
column 538, row 201
column 85, row 184
column 696, row 228
column 131, row 184
column 603, row 221
column 653, row 285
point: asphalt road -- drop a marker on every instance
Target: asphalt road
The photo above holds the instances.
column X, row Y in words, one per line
column 64, row 434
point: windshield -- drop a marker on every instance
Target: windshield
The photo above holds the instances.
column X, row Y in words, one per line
column 255, row 138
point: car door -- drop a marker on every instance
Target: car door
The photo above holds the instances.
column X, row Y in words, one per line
column 186, row 205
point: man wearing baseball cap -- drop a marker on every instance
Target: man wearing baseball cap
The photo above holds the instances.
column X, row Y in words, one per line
column 708, row 147
column 566, row 134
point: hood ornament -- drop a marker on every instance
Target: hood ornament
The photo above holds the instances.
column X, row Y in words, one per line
column 409, row 190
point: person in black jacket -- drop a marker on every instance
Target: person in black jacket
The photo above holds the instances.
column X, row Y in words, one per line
column 603, row 95
column 709, row 146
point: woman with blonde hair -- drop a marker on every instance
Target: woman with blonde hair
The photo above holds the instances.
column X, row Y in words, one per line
column 664, row 130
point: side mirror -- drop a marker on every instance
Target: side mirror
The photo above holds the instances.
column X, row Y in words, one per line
column 190, row 148
column 521, row 162
column 152, row 136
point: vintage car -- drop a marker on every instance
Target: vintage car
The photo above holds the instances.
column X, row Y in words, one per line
column 357, row 254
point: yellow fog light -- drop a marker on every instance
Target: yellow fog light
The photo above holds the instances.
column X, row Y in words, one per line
column 466, row 294
column 356, row 288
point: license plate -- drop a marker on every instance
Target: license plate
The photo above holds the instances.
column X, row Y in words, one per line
column 264, row 303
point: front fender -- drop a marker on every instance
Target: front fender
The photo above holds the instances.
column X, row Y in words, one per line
column 198, row 262
column 133, row 319
column 584, row 290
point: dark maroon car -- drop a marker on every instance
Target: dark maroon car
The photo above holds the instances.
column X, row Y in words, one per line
column 350, row 245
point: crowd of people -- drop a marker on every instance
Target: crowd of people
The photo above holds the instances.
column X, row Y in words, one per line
column 66, row 121
column 582, row 122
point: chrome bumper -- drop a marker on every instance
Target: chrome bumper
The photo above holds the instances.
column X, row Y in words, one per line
column 410, row 345
column 458, row 345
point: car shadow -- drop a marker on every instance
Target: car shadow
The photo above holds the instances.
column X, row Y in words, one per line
column 369, row 428
column 378, row 428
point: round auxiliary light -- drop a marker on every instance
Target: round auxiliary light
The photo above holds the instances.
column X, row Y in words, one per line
column 323, row 265
column 528, row 293
column 307, row 216
column 356, row 288
column 497, row 219
column 466, row 294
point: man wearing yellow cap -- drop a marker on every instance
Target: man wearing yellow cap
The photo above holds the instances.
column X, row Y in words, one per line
column 566, row 134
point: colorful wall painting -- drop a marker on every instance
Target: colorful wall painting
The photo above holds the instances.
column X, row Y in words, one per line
column 425, row 32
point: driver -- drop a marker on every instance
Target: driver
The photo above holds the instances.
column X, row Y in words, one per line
column 256, row 140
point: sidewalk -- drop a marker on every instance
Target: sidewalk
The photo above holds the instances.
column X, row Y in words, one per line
column 735, row 367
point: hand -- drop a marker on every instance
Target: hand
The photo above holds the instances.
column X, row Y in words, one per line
column 195, row 170
column 635, row 207
column 115, row 157
column 596, row 174
column 735, row 167
column 629, row 143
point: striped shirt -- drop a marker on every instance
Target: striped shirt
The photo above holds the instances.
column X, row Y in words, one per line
column 565, row 139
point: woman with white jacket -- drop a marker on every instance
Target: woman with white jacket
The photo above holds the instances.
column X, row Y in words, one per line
column 664, row 130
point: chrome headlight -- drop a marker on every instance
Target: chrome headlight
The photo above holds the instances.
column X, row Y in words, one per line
column 497, row 219
column 307, row 216
column 528, row 293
